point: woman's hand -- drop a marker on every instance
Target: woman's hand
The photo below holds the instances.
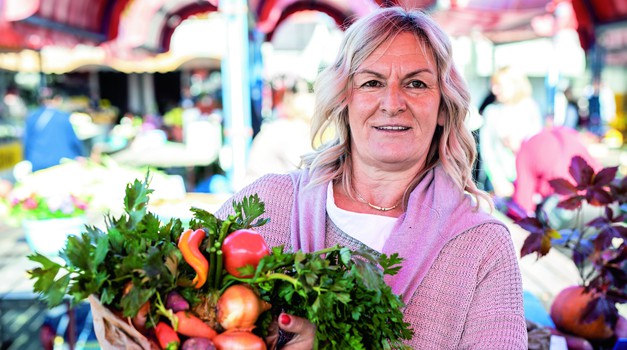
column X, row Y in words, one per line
column 301, row 331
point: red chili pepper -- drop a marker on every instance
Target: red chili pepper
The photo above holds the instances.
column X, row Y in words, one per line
column 192, row 326
column 168, row 339
column 189, row 244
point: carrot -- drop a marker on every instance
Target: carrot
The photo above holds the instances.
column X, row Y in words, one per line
column 192, row 326
column 168, row 339
column 139, row 321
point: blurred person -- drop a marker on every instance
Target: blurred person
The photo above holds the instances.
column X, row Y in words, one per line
column 396, row 177
column 566, row 109
column 49, row 135
column 14, row 103
column 543, row 157
column 511, row 119
column 601, row 107
column 478, row 171
column 281, row 142
column 488, row 99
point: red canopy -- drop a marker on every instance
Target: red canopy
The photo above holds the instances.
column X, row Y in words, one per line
column 603, row 22
column 34, row 23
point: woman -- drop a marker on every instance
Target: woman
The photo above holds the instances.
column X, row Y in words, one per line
column 393, row 177
column 511, row 120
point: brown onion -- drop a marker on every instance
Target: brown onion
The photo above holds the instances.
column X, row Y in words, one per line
column 238, row 340
column 239, row 307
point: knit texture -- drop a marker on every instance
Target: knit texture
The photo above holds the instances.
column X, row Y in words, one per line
column 469, row 298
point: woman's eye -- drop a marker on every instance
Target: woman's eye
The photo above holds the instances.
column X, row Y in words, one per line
column 417, row 84
column 371, row 83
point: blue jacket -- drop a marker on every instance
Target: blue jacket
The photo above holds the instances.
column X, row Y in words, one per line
column 49, row 137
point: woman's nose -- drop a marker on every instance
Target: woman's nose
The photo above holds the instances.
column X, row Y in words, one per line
column 393, row 102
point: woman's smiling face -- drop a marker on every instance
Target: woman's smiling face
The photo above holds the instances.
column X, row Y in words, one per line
column 393, row 105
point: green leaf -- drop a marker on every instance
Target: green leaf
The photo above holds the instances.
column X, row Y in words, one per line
column 205, row 219
column 116, row 238
column 344, row 298
column 391, row 265
column 44, row 277
column 57, row 290
column 249, row 210
column 345, row 255
column 52, row 290
column 45, row 262
column 102, row 248
column 136, row 200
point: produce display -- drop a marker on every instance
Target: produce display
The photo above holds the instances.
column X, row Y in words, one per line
column 215, row 284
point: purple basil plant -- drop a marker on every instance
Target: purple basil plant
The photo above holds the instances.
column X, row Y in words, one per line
column 595, row 244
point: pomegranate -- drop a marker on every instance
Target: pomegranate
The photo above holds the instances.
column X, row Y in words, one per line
column 566, row 312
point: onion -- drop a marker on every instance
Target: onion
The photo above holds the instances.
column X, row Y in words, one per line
column 239, row 307
column 238, row 340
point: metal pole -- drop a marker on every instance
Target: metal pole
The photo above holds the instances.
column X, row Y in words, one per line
column 236, row 88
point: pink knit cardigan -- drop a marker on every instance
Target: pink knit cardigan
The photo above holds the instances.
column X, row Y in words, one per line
column 460, row 277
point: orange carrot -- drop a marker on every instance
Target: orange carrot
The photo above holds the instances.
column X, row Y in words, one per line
column 192, row 326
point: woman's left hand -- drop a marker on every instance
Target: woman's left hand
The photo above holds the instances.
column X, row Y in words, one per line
column 302, row 333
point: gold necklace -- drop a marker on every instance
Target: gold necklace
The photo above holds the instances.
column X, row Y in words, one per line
column 376, row 207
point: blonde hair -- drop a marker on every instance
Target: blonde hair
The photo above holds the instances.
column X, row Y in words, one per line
column 453, row 145
column 513, row 80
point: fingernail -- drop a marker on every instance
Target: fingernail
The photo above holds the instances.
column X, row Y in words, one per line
column 285, row 319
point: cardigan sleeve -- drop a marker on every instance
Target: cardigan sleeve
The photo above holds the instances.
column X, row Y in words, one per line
column 496, row 318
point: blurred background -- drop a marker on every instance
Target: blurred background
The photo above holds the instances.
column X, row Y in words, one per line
column 212, row 94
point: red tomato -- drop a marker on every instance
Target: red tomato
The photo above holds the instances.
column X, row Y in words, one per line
column 241, row 248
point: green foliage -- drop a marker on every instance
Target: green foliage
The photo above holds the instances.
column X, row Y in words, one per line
column 248, row 210
column 597, row 246
column 137, row 260
column 131, row 256
column 341, row 291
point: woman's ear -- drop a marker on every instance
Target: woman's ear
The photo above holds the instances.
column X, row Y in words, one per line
column 441, row 112
column 441, row 119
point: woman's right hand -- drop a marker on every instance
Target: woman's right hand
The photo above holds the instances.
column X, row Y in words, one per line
column 302, row 330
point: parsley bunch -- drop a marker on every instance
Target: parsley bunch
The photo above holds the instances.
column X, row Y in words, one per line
column 339, row 290
column 125, row 266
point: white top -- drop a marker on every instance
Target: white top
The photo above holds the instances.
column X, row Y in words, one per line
column 372, row 230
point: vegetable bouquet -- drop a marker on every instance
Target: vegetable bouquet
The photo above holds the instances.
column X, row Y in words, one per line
column 216, row 284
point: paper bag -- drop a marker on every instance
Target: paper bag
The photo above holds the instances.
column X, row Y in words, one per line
column 115, row 333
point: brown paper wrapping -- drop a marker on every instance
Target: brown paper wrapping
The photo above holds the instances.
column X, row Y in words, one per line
column 113, row 332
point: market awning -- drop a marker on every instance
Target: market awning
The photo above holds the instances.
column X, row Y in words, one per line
column 498, row 21
column 10, row 40
column 134, row 29
column 146, row 26
column 63, row 22
column 123, row 24
column 604, row 23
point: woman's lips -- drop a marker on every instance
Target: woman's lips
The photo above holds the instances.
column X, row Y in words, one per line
column 392, row 128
